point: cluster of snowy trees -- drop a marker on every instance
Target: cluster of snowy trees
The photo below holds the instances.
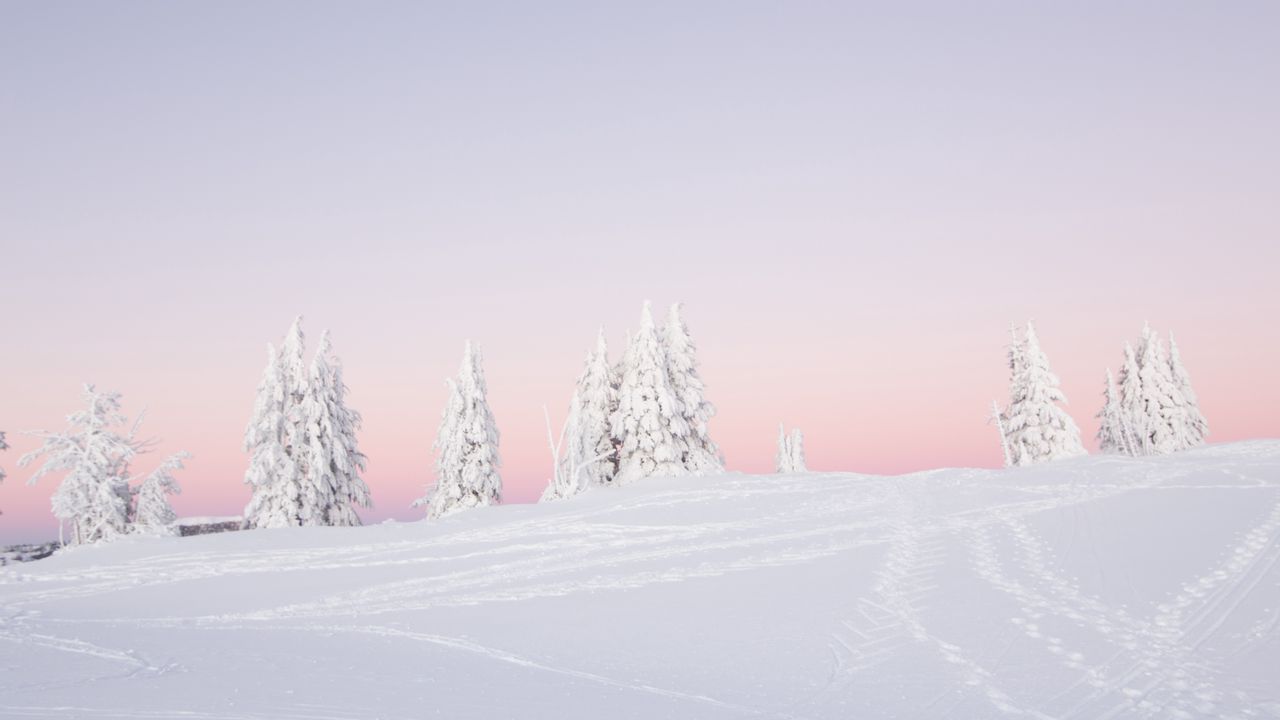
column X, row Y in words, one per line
column 466, row 445
column 99, row 497
column 790, row 451
column 1152, row 409
column 648, row 415
column 304, row 461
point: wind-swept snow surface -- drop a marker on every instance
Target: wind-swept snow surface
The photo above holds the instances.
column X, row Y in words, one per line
column 1094, row 587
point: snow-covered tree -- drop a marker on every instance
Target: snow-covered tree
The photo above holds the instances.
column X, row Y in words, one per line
column 594, row 402
column 790, row 458
column 700, row 455
column 1132, row 413
column 332, row 459
column 1112, row 431
column 94, row 453
column 648, row 425
column 1038, row 430
column 798, row 464
column 273, row 474
column 467, row 445
column 783, row 458
column 152, row 513
column 1162, row 401
column 588, row 456
column 1196, row 425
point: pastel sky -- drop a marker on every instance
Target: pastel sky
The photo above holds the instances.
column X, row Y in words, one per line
column 853, row 200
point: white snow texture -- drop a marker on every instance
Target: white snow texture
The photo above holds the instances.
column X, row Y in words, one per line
column 1092, row 587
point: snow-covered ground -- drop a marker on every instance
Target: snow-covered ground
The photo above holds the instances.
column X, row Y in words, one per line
column 1097, row 587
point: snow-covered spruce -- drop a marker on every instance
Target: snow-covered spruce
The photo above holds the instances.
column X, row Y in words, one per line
column 1162, row 401
column 275, row 438
column 700, row 455
column 269, row 465
column 94, row 452
column 790, row 459
column 595, row 400
column 1112, row 433
column 588, row 455
column 1196, row 426
column 152, row 512
column 1133, row 416
column 648, row 426
column 332, row 459
column 1038, row 430
column 466, row 445
column 798, row 463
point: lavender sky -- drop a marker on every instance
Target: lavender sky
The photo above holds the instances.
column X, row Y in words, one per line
column 853, row 201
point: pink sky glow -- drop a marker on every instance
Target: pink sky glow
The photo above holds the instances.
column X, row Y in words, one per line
column 853, row 205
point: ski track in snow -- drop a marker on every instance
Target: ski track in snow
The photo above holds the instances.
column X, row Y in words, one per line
column 1112, row 661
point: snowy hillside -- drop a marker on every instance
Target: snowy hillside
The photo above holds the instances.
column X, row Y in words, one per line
column 1096, row 587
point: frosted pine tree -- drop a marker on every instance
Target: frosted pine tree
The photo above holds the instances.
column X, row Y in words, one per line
column 798, row 464
column 467, row 445
column 1132, row 414
column 1038, row 430
column 783, row 459
column 94, row 496
column 648, row 425
column 594, row 403
column 700, row 455
column 276, row 437
column 588, row 456
column 1162, row 401
column 333, row 462
column 1112, row 435
column 1197, row 426
column 152, row 513
column 270, row 466
column 790, row 458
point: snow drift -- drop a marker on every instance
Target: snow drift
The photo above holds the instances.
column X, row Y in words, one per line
column 1088, row 588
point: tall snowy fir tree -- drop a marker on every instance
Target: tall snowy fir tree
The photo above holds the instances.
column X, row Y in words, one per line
column 595, row 400
column 589, row 456
column 467, row 445
column 699, row 455
column 1132, row 414
column 1038, row 430
column 1112, row 434
column 1196, row 425
column 152, row 513
column 94, row 453
column 790, row 457
column 332, row 458
column 271, row 469
column 798, row 463
column 648, row 425
column 1162, row 402
column 783, row 459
